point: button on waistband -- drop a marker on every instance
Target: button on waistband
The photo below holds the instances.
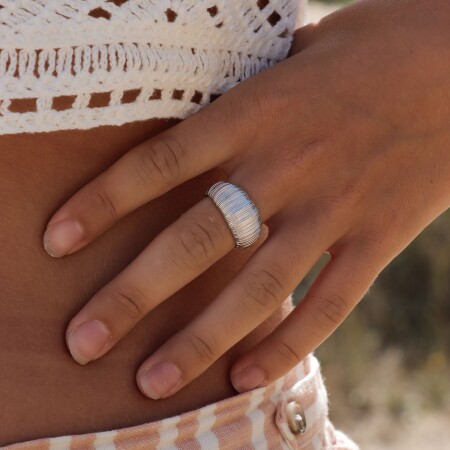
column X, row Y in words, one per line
column 295, row 417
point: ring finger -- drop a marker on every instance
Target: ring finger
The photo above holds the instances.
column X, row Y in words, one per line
column 179, row 254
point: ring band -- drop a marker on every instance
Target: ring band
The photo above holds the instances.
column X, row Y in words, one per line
column 240, row 213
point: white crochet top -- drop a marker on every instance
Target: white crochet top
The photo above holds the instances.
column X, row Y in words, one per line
column 68, row 64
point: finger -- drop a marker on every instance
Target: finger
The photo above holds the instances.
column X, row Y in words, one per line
column 200, row 143
column 337, row 290
column 260, row 288
column 179, row 254
column 175, row 257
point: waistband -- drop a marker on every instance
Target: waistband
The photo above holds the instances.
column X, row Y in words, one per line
column 269, row 417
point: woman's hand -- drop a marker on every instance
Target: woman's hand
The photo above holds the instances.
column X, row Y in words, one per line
column 344, row 147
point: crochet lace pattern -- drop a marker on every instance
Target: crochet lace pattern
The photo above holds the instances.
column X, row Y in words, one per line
column 79, row 64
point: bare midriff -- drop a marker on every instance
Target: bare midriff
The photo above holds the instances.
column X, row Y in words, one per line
column 43, row 392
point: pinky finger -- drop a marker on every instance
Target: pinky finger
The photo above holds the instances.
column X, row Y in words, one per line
column 337, row 290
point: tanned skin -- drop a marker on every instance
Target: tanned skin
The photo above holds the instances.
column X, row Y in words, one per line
column 43, row 391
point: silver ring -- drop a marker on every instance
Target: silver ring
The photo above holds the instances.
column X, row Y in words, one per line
column 240, row 213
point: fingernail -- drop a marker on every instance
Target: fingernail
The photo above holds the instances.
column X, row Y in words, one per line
column 61, row 237
column 248, row 379
column 160, row 379
column 87, row 341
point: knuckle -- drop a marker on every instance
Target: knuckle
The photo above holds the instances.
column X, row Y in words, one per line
column 263, row 289
column 287, row 352
column 351, row 192
column 307, row 155
column 269, row 105
column 259, row 109
column 346, row 195
column 332, row 307
column 128, row 300
column 204, row 348
column 162, row 158
column 107, row 203
column 196, row 243
column 374, row 245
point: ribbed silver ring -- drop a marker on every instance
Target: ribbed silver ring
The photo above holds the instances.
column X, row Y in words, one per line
column 240, row 213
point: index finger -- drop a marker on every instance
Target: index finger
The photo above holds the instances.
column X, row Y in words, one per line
column 147, row 171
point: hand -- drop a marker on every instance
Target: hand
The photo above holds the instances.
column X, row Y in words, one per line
column 344, row 147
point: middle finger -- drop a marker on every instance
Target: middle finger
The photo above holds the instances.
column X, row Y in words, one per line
column 179, row 254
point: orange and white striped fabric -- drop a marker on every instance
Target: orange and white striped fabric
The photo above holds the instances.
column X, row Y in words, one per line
column 253, row 420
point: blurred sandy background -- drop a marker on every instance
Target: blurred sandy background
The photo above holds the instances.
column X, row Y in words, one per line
column 388, row 366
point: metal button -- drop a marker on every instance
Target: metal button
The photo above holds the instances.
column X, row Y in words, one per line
column 296, row 418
